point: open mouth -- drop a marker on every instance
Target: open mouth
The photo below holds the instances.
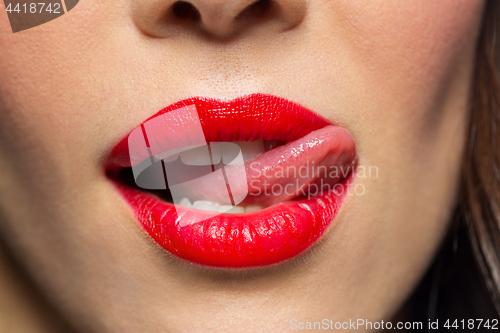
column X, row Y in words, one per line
column 250, row 182
column 192, row 165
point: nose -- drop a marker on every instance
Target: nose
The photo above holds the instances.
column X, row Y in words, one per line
column 218, row 18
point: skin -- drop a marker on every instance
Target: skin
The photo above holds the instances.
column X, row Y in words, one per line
column 395, row 73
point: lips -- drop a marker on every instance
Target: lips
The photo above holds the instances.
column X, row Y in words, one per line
column 291, row 193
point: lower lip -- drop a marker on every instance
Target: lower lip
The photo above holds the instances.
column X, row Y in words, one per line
column 266, row 237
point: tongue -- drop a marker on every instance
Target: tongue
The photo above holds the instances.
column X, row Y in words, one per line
column 307, row 166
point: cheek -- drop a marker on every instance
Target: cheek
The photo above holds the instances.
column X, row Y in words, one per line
column 412, row 35
column 410, row 65
column 416, row 61
column 407, row 48
column 52, row 94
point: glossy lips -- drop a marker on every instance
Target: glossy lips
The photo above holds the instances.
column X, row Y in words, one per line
column 274, row 234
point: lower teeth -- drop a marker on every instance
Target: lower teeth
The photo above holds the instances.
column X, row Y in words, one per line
column 216, row 207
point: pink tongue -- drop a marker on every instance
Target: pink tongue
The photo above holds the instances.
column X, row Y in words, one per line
column 313, row 163
column 310, row 164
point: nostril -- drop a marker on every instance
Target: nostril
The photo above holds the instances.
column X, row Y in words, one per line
column 219, row 19
column 257, row 9
column 185, row 10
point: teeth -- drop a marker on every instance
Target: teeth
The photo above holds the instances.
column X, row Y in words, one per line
column 206, row 205
column 170, row 155
column 215, row 207
column 215, row 149
column 172, row 158
column 236, row 210
column 250, row 150
column 230, row 153
column 225, row 151
column 249, row 209
column 200, row 155
column 196, row 156
column 185, row 203
column 225, row 208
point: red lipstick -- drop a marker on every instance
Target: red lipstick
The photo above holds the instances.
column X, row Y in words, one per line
column 300, row 184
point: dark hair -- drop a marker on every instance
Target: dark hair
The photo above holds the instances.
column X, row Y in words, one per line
column 464, row 280
column 480, row 202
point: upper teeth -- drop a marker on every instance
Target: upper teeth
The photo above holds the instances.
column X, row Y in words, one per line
column 201, row 156
column 251, row 150
column 216, row 207
column 220, row 151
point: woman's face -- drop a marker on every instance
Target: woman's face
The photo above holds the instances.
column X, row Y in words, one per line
column 395, row 74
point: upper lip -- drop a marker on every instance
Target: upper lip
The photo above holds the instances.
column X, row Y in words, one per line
column 255, row 116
